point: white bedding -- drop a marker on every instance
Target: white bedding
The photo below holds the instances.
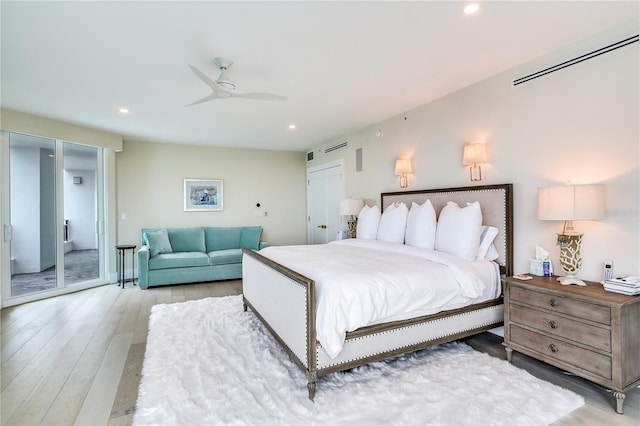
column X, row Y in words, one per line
column 365, row 282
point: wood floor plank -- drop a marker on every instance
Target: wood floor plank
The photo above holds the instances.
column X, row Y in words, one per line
column 68, row 402
column 142, row 322
column 132, row 310
column 96, row 408
column 49, row 340
column 17, row 333
column 127, row 395
column 27, row 376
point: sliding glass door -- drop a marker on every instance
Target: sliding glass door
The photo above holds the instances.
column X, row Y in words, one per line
column 82, row 204
column 55, row 233
column 32, row 183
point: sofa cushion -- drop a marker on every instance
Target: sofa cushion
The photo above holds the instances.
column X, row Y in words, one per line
column 158, row 242
column 187, row 239
column 178, row 260
column 222, row 238
column 250, row 237
column 224, row 257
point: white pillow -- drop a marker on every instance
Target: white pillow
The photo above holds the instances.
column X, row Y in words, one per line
column 458, row 230
column 367, row 226
column 421, row 226
column 486, row 249
column 393, row 223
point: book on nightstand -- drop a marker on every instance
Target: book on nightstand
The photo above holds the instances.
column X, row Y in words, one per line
column 629, row 285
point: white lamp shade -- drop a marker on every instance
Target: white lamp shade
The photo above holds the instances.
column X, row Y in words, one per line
column 571, row 202
column 474, row 153
column 351, row 207
column 403, row 166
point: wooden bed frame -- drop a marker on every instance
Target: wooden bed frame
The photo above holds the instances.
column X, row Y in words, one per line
column 284, row 300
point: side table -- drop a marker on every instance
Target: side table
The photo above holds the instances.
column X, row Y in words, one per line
column 587, row 331
column 122, row 250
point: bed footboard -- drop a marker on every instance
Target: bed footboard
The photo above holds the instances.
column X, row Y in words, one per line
column 284, row 300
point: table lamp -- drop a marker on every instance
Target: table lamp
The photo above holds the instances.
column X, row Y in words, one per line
column 569, row 203
column 351, row 207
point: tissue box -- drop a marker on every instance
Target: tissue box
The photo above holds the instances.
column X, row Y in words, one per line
column 536, row 268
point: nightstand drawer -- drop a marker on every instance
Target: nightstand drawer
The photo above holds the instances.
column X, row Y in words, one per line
column 587, row 334
column 555, row 349
column 597, row 313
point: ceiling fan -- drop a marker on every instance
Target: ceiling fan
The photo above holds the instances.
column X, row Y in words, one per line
column 222, row 87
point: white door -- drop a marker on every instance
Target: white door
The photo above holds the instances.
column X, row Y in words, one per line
column 325, row 190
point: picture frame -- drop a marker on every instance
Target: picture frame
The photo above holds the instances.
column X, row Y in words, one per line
column 203, row 195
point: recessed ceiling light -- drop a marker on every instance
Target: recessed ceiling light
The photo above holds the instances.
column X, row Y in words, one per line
column 471, row 9
column 292, row 126
column 124, row 111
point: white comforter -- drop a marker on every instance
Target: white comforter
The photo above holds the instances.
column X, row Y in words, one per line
column 364, row 282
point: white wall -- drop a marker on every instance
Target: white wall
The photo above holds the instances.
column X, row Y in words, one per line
column 579, row 124
column 25, row 185
column 150, row 180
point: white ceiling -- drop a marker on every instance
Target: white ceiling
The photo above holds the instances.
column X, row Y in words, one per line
column 342, row 65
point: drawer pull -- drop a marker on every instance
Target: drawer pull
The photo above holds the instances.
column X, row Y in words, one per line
column 553, row 324
column 553, row 348
column 553, row 303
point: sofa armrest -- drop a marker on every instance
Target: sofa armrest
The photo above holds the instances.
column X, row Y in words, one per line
column 263, row 244
column 143, row 267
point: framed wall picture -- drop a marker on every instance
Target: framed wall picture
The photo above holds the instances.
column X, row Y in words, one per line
column 203, row 195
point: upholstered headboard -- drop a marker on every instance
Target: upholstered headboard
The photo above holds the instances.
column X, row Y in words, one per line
column 496, row 204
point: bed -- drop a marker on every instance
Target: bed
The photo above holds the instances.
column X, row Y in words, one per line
column 286, row 300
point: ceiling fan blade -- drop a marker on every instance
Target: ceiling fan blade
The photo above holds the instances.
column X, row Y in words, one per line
column 211, row 97
column 202, row 76
column 259, row 96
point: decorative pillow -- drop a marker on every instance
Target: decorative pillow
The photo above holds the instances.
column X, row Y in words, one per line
column 421, row 226
column 250, row 237
column 492, row 253
column 458, row 230
column 489, row 233
column 367, row 227
column 158, row 242
column 393, row 224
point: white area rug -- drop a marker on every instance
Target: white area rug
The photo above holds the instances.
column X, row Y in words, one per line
column 208, row 362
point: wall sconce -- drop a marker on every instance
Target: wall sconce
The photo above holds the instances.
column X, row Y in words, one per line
column 475, row 154
column 351, row 208
column 569, row 203
column 403, row 168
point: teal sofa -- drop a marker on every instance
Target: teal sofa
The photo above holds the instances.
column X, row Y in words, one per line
column 188, row 255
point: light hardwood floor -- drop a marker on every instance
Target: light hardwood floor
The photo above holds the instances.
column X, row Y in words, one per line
column 77, row 359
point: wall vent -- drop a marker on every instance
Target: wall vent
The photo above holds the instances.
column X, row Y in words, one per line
column 577, row 60
column 310, row 156
column 336, row 147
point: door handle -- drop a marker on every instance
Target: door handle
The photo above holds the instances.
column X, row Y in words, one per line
column 322, row 226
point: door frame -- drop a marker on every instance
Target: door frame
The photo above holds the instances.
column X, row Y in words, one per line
column 339, row 164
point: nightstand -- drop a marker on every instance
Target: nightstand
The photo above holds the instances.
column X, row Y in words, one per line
column 587, row 331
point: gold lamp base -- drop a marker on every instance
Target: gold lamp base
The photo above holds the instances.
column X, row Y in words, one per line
column 351, row 226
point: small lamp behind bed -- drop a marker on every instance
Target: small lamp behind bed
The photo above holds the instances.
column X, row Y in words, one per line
column 351, row 207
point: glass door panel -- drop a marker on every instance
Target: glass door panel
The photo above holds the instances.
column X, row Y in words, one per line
column 33, row 214
column 81, row 213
